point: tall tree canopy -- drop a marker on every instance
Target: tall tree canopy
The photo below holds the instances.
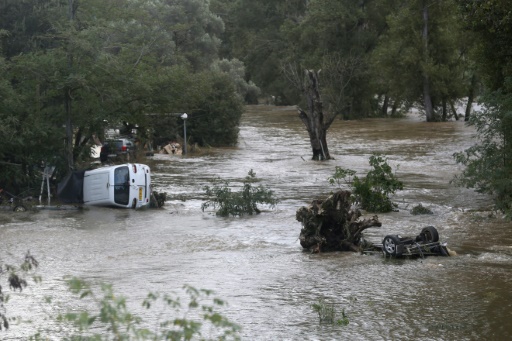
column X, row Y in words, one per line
column 489, row 162
column 89, row 64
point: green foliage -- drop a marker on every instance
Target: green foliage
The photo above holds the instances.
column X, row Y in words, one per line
column 113, row 63
column 489, row 23
column 211, row 102
column 108, row 316
column 327, row 314
column 245, row 201
column 341, row 174
column 235, row 70
column 488, row 164
column 217, row 113
column 438, row 58
column 17, row 281
column 254, row 36
column 112, row 320
column 371, row 192
column 420, row 209
column 336, row 36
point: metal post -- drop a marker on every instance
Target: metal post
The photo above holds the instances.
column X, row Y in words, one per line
column 184, row 117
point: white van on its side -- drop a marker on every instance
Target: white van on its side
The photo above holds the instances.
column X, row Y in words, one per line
column 127, row 185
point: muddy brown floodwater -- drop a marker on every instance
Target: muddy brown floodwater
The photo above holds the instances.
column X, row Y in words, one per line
column 256, row 263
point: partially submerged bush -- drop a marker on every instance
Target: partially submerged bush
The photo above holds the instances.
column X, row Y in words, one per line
column 420, row 209
column 238, row 203
column 371, row 192
column 328, row 314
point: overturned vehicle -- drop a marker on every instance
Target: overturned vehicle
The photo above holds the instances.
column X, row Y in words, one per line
column 334, row 225
column 424, row 244
column 125, row 186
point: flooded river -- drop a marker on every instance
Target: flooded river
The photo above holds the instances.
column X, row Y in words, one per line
column 256, row 263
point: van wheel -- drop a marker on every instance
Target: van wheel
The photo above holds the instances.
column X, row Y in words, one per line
column 134, row 203
column 19, row 208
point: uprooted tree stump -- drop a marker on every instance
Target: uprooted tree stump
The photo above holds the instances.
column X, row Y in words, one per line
column 332, row 225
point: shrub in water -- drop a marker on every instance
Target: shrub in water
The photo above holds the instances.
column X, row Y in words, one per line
column 371, row 192
column 419, row 209
column 245, row 201
column 327, row 314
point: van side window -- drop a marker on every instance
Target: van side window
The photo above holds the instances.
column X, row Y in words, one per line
column 122, row 185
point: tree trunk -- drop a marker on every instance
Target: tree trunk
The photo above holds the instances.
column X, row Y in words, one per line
column 394, row 108
column 314, row 119
column 454, row 111
column 385, row 106
column 69, row 130
column 68, row 102
column 471, row 97
column 445, row 111
column 426, row 82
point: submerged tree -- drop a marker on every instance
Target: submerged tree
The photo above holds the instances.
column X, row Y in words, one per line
column 314, row 118
column 238, row 203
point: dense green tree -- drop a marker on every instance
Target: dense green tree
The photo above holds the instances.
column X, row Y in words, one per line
column 337, row 37
column 253, row 35
column 215, row 119
column 488, row 165
column 88, row 64
column 235, row 70
column 213, row 106
column 418, row 60
column 489, row 162
column 491, row 23
column 332, row 42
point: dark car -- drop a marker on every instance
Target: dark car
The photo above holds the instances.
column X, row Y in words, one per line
column 121, row 148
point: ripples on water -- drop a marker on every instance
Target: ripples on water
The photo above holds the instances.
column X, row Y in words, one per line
column 256, row 263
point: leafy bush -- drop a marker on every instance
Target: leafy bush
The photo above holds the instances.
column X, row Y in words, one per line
column 371, row 192
column 238, row 203
column 341, row 174
column 419, row 209
column 113, row 321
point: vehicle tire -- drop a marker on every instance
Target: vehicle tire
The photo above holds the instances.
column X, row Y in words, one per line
column 19, row 208
column 390, row 245
column 430, row 234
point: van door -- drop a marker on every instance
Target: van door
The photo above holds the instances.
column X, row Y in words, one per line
column 96, row 187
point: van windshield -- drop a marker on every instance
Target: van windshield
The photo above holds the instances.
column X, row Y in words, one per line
column 122, row 185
